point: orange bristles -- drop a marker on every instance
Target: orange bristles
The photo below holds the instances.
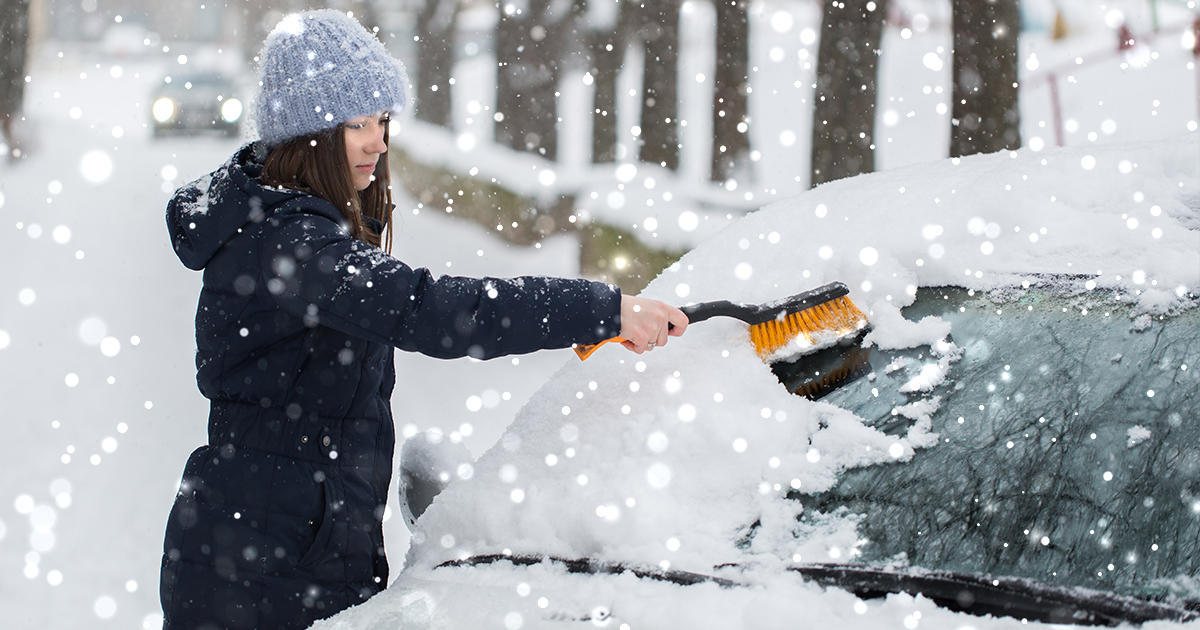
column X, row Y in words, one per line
column 812, row 326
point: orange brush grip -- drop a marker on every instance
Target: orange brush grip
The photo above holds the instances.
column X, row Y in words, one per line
column 585, row 350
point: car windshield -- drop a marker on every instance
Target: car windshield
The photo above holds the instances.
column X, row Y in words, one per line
column 1067, row 449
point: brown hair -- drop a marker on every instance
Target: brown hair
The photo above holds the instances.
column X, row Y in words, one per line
column 316, row 164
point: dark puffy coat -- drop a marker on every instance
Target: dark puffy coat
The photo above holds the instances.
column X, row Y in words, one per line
column 278, row 521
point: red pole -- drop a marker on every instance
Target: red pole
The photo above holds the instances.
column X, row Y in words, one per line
column 1196, row 37
column 1056, row 108
column 1125, row 38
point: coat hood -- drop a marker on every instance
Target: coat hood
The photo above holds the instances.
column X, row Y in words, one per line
column 206, row 213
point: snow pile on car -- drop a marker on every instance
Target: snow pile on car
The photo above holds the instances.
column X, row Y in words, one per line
column 667, row 458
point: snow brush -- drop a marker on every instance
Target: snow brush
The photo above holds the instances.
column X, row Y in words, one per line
column 785, row 329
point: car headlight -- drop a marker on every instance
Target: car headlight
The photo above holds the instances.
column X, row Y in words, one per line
column 163, row 109
column 231, row 110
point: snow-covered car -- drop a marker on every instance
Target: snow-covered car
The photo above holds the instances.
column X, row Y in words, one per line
column 125, row 40
column 1019, row 447
column 198, row 102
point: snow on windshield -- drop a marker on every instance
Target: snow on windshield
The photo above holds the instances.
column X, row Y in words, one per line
column 665, row 458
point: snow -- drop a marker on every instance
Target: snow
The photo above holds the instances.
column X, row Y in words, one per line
column 428, row 462
column 1137, row 434
column 658, row 459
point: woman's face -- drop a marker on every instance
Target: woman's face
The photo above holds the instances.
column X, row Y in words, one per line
column 364, row 146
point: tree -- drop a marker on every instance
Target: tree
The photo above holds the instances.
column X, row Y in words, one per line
column 609, row 23
column 843, row 142
column 984, row 114
column 435, row 60
column 14, row 39
column 731, row 144
column 658, row 27
column 530, row 47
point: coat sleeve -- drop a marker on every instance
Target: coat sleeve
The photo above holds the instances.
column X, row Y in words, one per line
column 317, row 271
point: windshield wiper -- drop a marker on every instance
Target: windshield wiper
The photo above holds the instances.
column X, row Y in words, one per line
column 594, row 566
column 1004, row 596
column 964, row 592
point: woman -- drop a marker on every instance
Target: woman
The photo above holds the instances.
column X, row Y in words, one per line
column 278, row 519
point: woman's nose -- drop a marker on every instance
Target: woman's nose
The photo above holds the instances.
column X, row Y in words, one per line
column 377, row 144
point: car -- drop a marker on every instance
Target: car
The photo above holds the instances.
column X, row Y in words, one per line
column 1070, row 496
column 127, row 40
column 199, row 102
column 1014, row 441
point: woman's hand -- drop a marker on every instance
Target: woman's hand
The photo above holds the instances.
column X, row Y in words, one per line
column 646, row 324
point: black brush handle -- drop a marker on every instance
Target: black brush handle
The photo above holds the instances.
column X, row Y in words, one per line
column 719, row 308
column 758, row 313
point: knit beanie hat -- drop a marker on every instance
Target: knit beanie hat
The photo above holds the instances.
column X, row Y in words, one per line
column 319, row 69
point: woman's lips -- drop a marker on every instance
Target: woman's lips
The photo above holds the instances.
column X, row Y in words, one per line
column 366, row 168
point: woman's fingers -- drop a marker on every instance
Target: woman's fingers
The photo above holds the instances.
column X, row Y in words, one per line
column 677, row 321
column 647, row 324
column 632, row 347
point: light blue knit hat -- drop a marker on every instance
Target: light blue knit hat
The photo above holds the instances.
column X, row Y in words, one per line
column 319, row 69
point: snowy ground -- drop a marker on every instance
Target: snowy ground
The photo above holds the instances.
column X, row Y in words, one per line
column 96, row 338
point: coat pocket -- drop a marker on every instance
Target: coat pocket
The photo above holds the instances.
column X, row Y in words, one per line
column 320, row 548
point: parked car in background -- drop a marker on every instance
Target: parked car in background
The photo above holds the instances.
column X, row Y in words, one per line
column 197, row 102
column 127, row 40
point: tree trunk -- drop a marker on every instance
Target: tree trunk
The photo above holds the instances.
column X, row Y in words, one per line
column 844, row 103
column 607, row 50
column 731, row 146
column 508, row 55
column 660, row 83
column 985, row 116
column 14, row 43
column 529, row 44
column 435, row 30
